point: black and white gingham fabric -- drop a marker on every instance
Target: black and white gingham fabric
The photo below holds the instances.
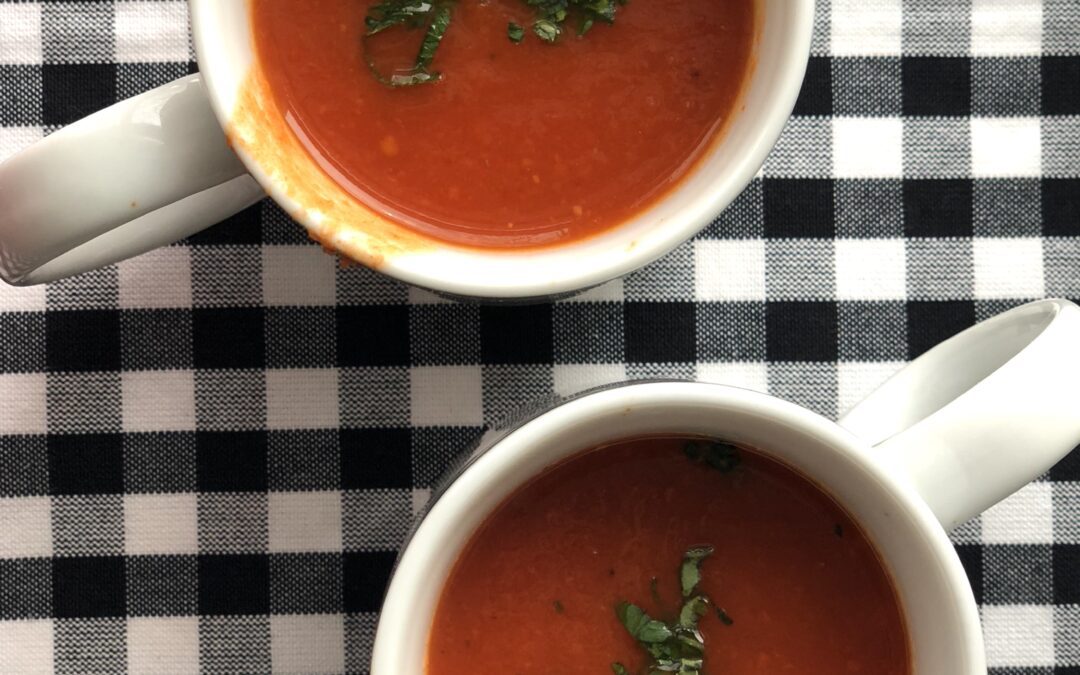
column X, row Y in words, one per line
column 209, row 455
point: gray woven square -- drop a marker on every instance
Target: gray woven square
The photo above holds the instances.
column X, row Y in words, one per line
column 83, row 646
column 1005, row 86
column 940, row 269
column 375, row 520
column 1061, row 260
column 819, row 41
column 374, row 397
column 937, row 147
column 1066, row 497
column 359, row 285
column 234, row 644
column 669, row 278
column 135, row 78
column 812, row 385
column 99, row 289
column 661, row 371
column 872, row 331
column 1018, row 575
column 1007, row 207
column 20, row 95
column 87, row 525
column 1061, row 147
column 804, row 150
column 77, row 32
column 81, row 403
column 985, row 309
column 359, row 636
column 800, row 269
column 509, row 389
column 937, row 28
column 731, row 331
column 1066, row 628
column 865, row 86
column 233, row 523
column 226, row 276
column 1061, row 25
column 229, row 400
column 744, row 218
column 869, row 209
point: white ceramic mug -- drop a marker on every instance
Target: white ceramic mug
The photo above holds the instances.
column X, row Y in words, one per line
column 960, row 428
column 156, row 168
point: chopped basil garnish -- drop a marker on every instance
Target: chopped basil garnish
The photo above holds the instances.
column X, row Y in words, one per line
column 434, row 17
column 677, row 646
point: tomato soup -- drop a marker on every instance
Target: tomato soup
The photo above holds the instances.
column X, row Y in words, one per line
column 517, row 144
column 792, row 584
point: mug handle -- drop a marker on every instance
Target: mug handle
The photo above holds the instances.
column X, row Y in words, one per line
column 983, row 413
column 140, row 174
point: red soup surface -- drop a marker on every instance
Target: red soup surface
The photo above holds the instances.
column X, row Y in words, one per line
column 535, row 590
column 517, row 145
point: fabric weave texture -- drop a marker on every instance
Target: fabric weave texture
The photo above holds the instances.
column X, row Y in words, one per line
column 210, row 454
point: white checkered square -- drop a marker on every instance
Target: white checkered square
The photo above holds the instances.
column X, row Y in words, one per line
column 729, row 270
column 1018, row 635
column 163, row 645
column 157, row 279
column 446, row 396
column 1008, row 268
column 302, row 398
column 1026, row 517
column 161, row 524
column 308, row 643
column 570, row 379
column 1006, row 28
column 158, row 400
column 868, row 147
column 26, row 526
column 21, row 43
column 747, row 375
column 298, row 275
column 14, row 139
column 26, row 647
column 871, row 269
column 866, row 27
column 856, row 380
column 22, row 403
column 1005, row 147
column 151, row 32
column 305, row 521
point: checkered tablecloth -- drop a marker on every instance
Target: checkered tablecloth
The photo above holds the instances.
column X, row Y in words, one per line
column 210, row 454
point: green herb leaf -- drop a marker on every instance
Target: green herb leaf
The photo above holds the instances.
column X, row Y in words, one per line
column 546, row 29
column 586, row 24
column 619, row 669
column 690, row 571
column 692, row 611
column 435, row 18
column 515, row 32
column 559, row 609
column 640, row 625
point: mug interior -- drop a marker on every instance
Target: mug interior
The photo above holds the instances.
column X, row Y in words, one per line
column 225, row 46
column 938, row 605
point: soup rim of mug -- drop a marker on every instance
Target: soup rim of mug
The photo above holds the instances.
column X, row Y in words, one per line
column 474, row 480
column 576, row 265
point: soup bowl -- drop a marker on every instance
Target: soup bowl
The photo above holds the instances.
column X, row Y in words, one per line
column 958, row 429
column 163, row 165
